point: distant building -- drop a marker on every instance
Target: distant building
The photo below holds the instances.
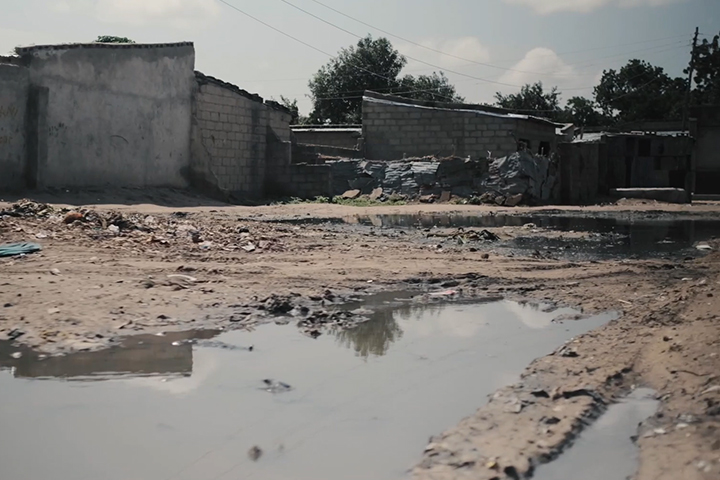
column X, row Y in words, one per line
column 395, row 127
column 706, row 130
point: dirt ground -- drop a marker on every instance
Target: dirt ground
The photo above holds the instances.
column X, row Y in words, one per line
column 177, row 262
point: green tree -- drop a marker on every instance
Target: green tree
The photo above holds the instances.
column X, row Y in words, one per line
column 336, row 89
column 373, row 64
column 292, row 105
column 640, row 91
column 112, row 39
column 532, row 98
column 433, row 88
column 707, row 72
column 583, row 113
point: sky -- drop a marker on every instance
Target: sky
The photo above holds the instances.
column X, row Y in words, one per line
column 487, row 45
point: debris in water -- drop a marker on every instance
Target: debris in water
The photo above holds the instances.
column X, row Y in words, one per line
column 273, row 386
column 446, row 293
column 16, row 355
column 255, row 453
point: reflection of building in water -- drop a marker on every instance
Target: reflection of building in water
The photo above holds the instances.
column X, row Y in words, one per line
column 141, row 356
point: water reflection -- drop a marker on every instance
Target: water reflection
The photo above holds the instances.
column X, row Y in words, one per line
column 387, row 324
column 623, row 235
column 375, row 336
column 140, row 356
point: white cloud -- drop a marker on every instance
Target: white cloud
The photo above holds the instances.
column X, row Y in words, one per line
column 584, row 6
column 539, row 64
column 468, row 48
column 543, row 64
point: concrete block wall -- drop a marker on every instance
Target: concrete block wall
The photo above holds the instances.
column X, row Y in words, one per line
column 579, row 172
column 14, row 85
column 394, row 130
column 113, row 114
column 231, row 130
column 333, row 137
column 238, row 140
column 303, row 181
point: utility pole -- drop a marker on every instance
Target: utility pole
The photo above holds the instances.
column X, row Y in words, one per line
column 686, row 107
column 690, row 163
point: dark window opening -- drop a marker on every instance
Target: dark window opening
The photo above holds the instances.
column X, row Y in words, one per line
column 644, row 148
column 544, row 148
column 658, row 163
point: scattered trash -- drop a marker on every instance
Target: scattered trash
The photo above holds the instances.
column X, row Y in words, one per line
column 16, row 355
column 15, row 334
column 704, row 247
column 446, row 293
column 182, row 281
column 55, row 271
column 73, row 217
column 714, row 388
column 15, row 249
column 114, row 229
column 273, row 386
column 41, row 235
column 250, row 247
column 53, row 311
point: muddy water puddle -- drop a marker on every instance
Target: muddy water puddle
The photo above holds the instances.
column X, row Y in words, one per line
column 355, row 404
column 605, row 451
column 639, row 236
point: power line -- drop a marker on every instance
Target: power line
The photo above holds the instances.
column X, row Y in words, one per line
column 408, row 56
column 446, row 53
column 422, row 61
column 307, row 44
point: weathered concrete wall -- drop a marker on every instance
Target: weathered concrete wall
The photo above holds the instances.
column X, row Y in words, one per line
column 647, row 160
column 231, row 133
column 116, row 114
column 394, row 130
column 301, row 181
column 707, row 149
column 14, row 86
column 279, row 120
column 579, row 172
column 333, row 137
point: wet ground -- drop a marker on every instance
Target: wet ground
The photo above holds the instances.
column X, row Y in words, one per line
column 607, row 449
column 355, row 404
column 605, row 236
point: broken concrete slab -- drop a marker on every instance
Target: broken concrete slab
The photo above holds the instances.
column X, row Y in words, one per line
column 669, row 195
column 351, row 194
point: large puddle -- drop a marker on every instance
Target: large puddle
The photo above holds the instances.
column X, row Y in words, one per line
column 605, row 451
column 358, row 404
column 624, row 235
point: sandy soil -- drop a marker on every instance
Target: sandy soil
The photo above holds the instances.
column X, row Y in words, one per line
column 177, row 263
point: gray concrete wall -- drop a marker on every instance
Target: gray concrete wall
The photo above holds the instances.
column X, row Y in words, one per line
column 393, row 131
column 14, row 85
column 116, row 115
column 231, row 133
column 579, row 172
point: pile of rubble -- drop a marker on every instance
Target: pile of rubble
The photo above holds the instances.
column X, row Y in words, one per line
column 518, row 178
column 141, row 232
